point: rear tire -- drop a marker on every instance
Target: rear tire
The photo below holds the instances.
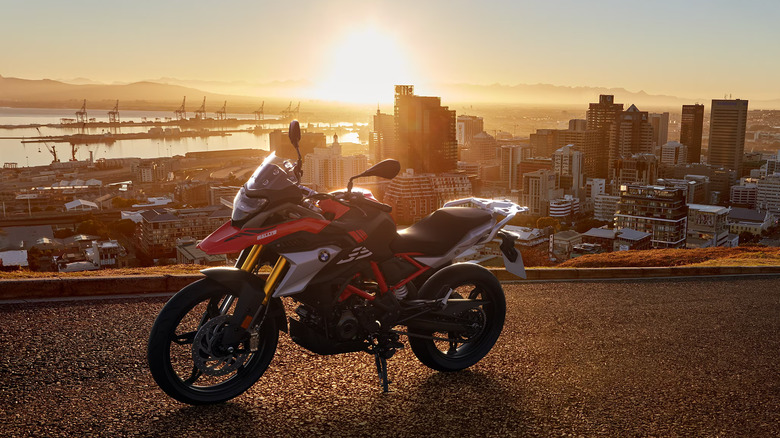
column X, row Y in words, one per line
column 170, row 348
column 467, row 281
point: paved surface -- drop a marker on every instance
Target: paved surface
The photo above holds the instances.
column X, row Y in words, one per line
column 672, row 358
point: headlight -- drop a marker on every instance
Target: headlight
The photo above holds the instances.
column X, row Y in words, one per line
column 244, row 206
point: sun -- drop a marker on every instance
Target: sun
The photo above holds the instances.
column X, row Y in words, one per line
column 363, row 67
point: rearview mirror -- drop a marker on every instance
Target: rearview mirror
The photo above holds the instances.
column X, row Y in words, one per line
column 386, row 169
column 295, row 132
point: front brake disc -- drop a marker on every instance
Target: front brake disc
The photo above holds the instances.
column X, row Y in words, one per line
column 208, row 353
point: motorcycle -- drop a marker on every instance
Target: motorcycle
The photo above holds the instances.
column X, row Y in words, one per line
column 359, row 284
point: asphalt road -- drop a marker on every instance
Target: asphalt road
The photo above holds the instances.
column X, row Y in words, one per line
column 653, row 358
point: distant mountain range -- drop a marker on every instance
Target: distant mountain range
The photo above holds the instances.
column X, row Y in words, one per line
column 245, row 96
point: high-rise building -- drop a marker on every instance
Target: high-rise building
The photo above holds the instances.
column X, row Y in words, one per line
column 691, row 125
column 674, row 153
column 660, row 124
column 586, row 141
column 630, row 134
column 568, row 163
column 728, row 121
column 600, row 117
column 425, row 132
column 511, row 156
column 468, row 127
column 768, row 194
column 543, row 142
column 538, row 189
column 658, row 210
column 327, row 169
column 636, row 169
column 381, row 141
column 481, row 147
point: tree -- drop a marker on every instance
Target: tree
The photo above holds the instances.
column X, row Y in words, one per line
column 125, row 227
column 544, row 222
column 93, row 227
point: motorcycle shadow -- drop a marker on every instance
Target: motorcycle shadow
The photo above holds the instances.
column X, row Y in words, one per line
column 203, row 421
column 465, row 403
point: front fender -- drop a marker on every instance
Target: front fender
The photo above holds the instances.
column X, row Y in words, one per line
column 248, row 288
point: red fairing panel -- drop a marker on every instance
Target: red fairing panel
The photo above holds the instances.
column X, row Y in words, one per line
column 229, row 239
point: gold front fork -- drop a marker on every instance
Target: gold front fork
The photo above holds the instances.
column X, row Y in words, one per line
column 277, row 273
column 274, row 277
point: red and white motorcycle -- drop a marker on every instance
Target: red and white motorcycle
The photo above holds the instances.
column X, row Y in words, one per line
column 359, row 284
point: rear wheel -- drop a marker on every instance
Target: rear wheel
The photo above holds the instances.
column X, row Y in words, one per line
column 462, row 349
column 186, row 356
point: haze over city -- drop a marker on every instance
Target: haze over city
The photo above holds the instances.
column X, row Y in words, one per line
column 355, row 51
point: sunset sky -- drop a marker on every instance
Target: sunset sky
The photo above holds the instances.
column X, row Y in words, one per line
column 360, row 48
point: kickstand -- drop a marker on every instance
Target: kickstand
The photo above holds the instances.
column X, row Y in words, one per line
column 381, row 369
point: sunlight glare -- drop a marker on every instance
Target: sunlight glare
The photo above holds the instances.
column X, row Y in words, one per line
column 363, row 67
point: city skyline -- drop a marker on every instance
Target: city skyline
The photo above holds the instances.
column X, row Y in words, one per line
column 352, row 51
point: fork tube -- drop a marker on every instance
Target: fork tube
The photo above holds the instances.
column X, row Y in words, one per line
column 274, row 277
column 251, row 259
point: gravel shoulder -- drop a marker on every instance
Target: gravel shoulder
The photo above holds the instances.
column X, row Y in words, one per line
column 660, row 358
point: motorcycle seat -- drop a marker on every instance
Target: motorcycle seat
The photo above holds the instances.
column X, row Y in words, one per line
column 438, row 232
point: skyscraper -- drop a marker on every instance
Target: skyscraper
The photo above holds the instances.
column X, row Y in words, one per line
column 631, row 134
column 600, row 117
column 425, row 132
column 568, row 163
column 660, row 124
column 690, row 130
column 728, row 120
column 381, row 142
column 468, row 127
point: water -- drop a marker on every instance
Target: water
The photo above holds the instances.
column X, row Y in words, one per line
column 36, row 154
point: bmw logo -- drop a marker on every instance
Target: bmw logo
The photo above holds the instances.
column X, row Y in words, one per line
column 324, row 256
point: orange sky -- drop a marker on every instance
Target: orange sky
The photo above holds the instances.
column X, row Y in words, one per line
column 356, row 50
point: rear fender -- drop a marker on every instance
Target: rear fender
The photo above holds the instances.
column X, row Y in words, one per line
column 249, row 289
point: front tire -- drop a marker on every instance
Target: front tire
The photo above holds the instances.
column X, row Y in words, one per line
column 467, row 281
column 170, row 349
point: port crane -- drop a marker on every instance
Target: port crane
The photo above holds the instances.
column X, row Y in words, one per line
column 81, row 115
column 113, row 115
column 200, row 113
column 181, row 113
column 52, row 149
column 221, row 114
column 260, row 114
column 289, row 113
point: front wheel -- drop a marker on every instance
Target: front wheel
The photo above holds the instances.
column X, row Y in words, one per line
column 186, row 356
column 454, row 351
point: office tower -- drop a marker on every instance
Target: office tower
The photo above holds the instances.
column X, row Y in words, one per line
column 543, row 142
column 728, row 120
column 660, row 124
column 381, row 142
column 578, row 125
column 656, row 210
column 636, row 169
column 586, row 141
column 538, row 189
column 468, row 127
column 691, row 125
column 600, row 117
column 511, row 156
column 425, row 132
column 482, row 147
column 630, row 134
column 674, row 153
column 568, row 163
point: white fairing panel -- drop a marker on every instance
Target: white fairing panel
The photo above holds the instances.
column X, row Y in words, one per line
column 516, row 268
column 469, row 240
column 303, row 267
